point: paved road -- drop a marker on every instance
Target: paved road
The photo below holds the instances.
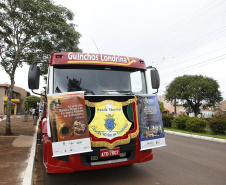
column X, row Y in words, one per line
column 184, row 161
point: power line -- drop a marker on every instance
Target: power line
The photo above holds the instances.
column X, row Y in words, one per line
column 165, row 33
column 183, row 61
column 196, row 43
column 194, row 27
column 206, row 61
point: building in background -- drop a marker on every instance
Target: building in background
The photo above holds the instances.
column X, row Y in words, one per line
column 18, row 97
column 222, row 107
column 170, row 108
column 204, row 111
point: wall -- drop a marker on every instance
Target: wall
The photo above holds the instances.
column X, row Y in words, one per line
column 170, row 107
column 222, row 105
column 21, row 95
column 2, row 93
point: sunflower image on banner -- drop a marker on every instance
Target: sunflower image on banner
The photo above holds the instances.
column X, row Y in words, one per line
column 68, row 123
column 113, row 123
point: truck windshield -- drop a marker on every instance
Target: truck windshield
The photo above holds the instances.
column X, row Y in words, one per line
column 104, row 81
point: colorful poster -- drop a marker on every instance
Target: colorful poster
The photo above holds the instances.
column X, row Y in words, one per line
column 150, row 122
column 68, row 123
column 111, row 122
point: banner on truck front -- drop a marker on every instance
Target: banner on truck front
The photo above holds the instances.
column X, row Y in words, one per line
column 150, row 122
column 112, row 121
column 68, row 123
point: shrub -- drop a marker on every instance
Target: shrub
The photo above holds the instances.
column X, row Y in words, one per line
column 216, row 116
column 180, row 121
column 167, row 120
column 196, row 125
column 218, row 125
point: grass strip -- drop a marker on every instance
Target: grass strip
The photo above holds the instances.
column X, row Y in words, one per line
column 207, row 133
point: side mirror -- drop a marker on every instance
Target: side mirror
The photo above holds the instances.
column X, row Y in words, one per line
column 33, row 77
column 155, row 79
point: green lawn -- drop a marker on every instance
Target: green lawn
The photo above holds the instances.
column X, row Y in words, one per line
column 205, row 133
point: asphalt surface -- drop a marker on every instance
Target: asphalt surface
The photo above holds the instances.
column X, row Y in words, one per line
column 184, row 161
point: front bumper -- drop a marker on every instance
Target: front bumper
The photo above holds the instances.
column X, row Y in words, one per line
column 81, row 162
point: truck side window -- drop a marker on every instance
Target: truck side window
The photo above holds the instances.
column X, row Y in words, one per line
column 136, row 84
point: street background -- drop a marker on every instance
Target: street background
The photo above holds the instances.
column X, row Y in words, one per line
column 183, row 161
column 177, row 37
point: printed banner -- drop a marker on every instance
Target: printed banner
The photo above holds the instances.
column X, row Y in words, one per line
column 111, row 122
column 68, row 123
column 150, row 122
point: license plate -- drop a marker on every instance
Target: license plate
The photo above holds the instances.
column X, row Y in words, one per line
column 110, row 152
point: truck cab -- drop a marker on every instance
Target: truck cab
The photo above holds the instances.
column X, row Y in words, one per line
column 103, row 79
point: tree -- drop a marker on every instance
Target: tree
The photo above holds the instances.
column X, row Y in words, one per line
column 173, row 94
column 193, row 91
column 32, row 30
column 161, row 106
column 31, row 102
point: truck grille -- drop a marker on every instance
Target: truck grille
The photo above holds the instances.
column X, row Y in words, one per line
column 93, row 158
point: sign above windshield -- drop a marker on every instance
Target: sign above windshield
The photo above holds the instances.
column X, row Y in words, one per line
column 95, row 59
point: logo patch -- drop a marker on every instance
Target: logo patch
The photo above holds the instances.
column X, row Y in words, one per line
column 109, row 122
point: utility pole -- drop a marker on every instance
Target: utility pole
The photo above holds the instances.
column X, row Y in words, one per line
column 175, row 108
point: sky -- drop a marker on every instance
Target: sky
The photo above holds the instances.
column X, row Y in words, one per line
column 177, row 37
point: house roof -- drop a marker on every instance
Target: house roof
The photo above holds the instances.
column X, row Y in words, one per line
column 4, row 85
column 7, row 85
column 165, row 110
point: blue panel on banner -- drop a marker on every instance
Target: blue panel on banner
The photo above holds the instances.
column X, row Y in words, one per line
column 150, row 120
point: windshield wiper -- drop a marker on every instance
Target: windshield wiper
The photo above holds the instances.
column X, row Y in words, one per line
column 118, row 91
column 90, row 92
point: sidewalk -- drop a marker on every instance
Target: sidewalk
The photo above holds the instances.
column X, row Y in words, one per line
column 15, row 150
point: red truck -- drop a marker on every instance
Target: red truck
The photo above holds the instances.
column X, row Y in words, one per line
column 110, row 87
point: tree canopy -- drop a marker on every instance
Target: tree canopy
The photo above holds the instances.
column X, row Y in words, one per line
column 161, row 106
column 31, row 30
column 193, row 91
column 31, row 102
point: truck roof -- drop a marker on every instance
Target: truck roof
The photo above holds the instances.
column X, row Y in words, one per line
column 72, row 58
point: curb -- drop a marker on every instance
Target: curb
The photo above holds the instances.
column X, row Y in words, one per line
column 29, row 172
column 196, row 136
